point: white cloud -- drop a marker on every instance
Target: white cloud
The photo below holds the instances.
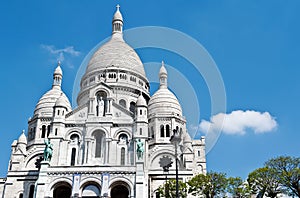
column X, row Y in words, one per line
column 60, row 54
column 237, row 122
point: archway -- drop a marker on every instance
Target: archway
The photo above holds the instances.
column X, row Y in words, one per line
column 62, row 190
column 119, row 191
column 91, row 191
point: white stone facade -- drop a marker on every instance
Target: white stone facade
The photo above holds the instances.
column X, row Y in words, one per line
column 95, row 146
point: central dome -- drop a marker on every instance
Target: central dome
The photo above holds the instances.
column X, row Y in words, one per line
column 116, row 54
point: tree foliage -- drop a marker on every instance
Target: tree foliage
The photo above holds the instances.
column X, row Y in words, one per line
column 211, row 185
column 280, row 175
column 264, row 182
column 238, row 188
column 168, row 190
column 288, row 173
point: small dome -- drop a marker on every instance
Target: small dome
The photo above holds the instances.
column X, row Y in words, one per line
column 62, row 101
column 141, row 101
column 164, row 101
column 22, row 139
column 48, row 101
column 118, row 15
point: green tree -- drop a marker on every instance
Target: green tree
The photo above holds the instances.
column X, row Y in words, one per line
column 238, row 188
column 168, row 190
column 264, row 182
column 211, row 185
column 288, row 173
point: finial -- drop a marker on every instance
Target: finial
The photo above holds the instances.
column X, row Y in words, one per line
column 58, row 63
column 118, row 7
column 23, row 131
column 162, row 63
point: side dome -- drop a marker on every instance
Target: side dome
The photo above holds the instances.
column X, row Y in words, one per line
column 164, row 102
column 45, row 105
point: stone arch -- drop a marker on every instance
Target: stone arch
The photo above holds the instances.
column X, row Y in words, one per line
column 38, row 155
column 119, row 188
column 73, row 131
column 99, row 89
column 123, row 103
column 90, row 179
column 62, row 190
column 74, row 152
column 100, row 143
column 91, row 132
column 120, row 131
column 57, row 181
column 90, row 189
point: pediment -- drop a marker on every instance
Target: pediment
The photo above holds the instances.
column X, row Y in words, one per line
column 78, row 114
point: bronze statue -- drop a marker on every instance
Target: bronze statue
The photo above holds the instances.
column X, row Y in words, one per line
column 48, row 150
column 140, row 148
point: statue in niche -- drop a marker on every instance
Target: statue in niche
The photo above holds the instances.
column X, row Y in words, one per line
column 48, row 150
column 123, row 139
column 100, row 107
column 140, row 148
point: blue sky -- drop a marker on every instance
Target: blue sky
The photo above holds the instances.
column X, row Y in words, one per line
column 255, row 45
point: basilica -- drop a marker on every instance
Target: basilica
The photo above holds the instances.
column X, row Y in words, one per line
column 115, row 143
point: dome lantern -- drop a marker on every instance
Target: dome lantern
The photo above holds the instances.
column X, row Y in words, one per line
column 117, row 21
column 163, row 76
column 57, row 77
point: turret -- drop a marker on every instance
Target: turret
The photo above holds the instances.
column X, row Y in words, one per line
column 141, row 117
column 22, row 143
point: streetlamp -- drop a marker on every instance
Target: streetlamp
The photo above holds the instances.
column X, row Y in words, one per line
column 175, row 139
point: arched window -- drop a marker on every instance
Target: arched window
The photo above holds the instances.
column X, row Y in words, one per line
column 122, row 156
column 43, row 131
column 31, row 191
column 99, row 148
column 73, row 156
column 162, row 131
column 132, row 107
column 141, row 112
column 199, row 153
column 122, row 102
column 74, row 138
column 141, row 131
column 48, row 130
column 167, row 130
column 21, row 195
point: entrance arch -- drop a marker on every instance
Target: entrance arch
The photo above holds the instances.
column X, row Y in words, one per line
column 119, row 191
column 90, row 191
column 62, row 190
